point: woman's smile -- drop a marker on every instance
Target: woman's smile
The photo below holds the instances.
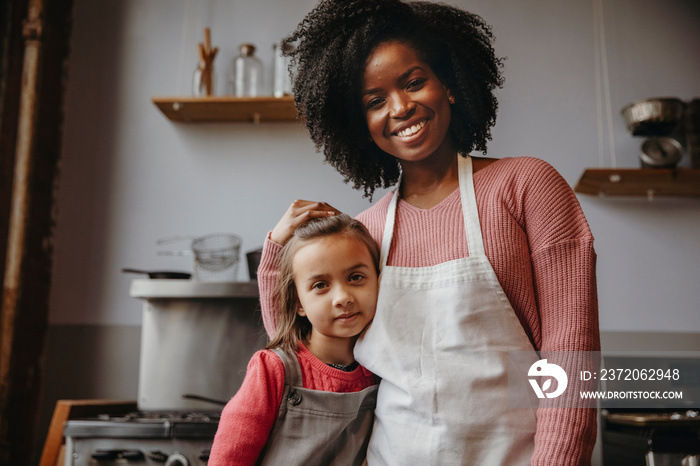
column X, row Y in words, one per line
column 412, row 130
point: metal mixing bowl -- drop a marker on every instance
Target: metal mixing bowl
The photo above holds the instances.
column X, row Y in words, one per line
column 653, row 117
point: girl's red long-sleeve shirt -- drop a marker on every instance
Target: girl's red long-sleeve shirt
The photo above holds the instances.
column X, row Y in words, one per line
column 248, row 418
column 541, row 248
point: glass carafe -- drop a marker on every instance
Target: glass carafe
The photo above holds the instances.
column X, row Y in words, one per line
column 246, row 79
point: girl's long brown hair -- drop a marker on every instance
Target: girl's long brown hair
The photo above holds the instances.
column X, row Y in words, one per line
column 291, row 327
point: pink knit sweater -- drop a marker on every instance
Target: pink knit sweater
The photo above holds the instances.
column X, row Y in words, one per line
column 248, row 418
column 541, row 248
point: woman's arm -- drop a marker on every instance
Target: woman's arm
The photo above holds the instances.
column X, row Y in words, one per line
column 569, row 319
column 268, row 276
column 563, row 264
column 248, row 418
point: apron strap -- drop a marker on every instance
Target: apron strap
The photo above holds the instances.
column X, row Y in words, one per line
column 470, row 213
column 389, row 227
column 292, row 370
column 292, row 374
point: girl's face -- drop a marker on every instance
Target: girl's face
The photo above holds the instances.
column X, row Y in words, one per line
column 337, row 286
column 406, row 106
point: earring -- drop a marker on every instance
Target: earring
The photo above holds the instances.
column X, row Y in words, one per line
column 451, row 100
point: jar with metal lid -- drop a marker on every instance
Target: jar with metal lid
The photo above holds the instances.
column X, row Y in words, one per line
column 246, row 78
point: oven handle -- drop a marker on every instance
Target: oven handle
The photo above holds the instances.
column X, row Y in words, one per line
column 189, row 396
column 112, row 455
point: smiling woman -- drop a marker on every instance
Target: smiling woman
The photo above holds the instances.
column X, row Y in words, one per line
column 331, row 52
column 480, row 257
column 408, row 114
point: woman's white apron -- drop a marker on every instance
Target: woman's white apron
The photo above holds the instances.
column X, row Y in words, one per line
column 440, row 343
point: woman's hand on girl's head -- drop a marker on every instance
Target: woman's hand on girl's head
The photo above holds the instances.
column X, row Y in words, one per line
column 299, row 212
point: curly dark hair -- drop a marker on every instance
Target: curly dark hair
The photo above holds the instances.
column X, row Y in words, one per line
column 330, row 47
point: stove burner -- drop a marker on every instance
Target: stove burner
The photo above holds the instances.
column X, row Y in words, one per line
column 142, row 437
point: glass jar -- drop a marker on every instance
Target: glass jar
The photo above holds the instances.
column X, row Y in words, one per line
column 199, row 84
column 282, row 83
column 246, row 78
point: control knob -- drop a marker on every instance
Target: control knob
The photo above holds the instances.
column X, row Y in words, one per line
column 177, row 459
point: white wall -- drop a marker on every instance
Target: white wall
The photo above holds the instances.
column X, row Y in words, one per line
column 130, row 176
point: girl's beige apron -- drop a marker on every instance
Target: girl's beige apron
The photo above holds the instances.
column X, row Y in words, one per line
column 317, row 427
column 440, row 343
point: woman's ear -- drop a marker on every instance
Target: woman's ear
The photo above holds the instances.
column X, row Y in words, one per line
column 300, row 310
column 450, row 97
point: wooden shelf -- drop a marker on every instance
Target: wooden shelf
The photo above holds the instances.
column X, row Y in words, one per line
column 227, row 109
column 649, row 182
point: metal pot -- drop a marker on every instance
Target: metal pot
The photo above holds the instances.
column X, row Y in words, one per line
column 653, row 117
column 660, row 152
column 253, row 258
column 160, row 273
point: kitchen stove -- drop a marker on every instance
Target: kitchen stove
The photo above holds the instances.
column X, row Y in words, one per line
column 658, row 432
column 167, row 438
column 651, row 438
column 196, row 341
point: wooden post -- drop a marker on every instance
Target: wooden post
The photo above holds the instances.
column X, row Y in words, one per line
column 28, row 252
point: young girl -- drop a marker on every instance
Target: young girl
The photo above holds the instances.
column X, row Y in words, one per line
column 480, row 257
column 304, row 399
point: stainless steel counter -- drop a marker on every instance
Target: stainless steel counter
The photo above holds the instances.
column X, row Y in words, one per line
column 171, row 288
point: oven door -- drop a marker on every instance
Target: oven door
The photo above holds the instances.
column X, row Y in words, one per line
column 657, row 438
column 139, row 441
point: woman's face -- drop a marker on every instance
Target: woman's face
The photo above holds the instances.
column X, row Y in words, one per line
column 406, row 106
